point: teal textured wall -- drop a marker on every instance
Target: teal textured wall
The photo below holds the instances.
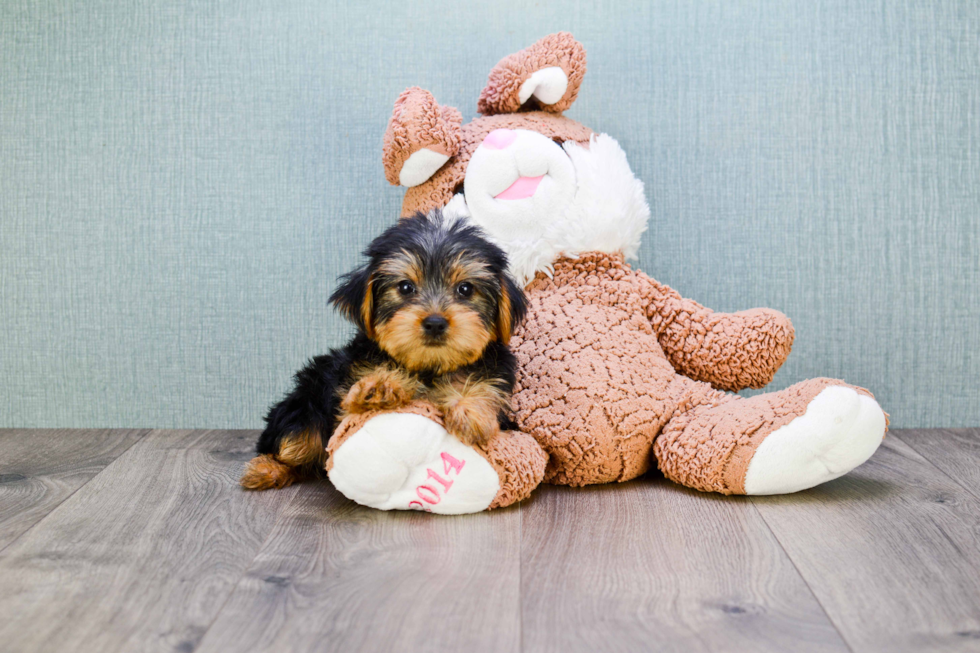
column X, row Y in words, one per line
column 181, row 183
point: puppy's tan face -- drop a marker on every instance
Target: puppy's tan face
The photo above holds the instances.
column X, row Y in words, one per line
column 434, row 315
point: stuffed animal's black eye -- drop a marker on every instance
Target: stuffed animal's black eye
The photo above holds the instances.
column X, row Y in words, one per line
column 406, row 288
column 465, row 289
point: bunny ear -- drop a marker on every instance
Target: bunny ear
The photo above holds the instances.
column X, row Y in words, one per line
column 550, row 72
column 420, row 138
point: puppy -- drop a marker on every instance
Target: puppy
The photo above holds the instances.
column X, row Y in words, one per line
column 434, row 309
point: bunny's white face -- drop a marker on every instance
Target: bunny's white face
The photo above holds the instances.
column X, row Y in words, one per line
column 518, row 185
column 539, row 200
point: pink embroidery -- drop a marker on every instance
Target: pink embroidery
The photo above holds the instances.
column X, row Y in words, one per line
column 429, row 493
column 446, row 484
column 435, row 495
column 448, row 462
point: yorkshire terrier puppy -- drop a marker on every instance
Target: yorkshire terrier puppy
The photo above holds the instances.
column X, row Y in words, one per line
column 434, row 309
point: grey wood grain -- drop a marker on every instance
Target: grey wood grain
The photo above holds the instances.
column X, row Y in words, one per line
column 40, row 469
column 335, row 576
column 650, row 565
column 892, row 552
column 955, row 451
column 143, row 556
column 160, row 551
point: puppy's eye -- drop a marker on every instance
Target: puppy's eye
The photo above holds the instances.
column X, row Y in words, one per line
column 465, row 289
column 406, row 288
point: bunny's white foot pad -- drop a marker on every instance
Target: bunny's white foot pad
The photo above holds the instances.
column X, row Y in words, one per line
column 840, row 430
column 403, row 461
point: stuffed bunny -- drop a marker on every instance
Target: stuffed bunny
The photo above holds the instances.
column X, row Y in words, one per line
column 616, row 371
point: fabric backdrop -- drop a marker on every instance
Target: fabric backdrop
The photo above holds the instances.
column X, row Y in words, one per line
column 182, row 182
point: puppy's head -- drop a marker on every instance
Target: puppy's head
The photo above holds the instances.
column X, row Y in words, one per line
column 433, row 294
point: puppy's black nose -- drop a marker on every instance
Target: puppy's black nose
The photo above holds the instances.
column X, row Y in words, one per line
column 435, row 325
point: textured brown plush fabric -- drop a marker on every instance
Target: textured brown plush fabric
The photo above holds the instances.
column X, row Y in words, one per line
column 417, row 122
column 597, row 382
column 501, row 92
column 440, row 188
column 518, row 460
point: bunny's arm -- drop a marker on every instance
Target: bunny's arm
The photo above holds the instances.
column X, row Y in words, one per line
column 731, row 351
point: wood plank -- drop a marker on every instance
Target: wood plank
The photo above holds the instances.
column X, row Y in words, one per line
column 143, row 556
column 954, row 451
column 892, row 551
column 335, row 576
column 651, row 565
column 41, row 468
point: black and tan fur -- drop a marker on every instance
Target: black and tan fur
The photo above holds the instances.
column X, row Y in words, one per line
column 434, row 309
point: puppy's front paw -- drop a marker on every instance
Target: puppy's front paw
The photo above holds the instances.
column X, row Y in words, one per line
column 474, row 422
column 377, row 391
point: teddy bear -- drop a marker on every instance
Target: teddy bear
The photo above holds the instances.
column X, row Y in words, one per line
column 617, row 372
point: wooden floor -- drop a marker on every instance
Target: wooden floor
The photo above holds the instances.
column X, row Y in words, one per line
column 142, row 541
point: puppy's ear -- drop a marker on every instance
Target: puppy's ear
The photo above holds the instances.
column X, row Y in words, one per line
column 355, row 299
column 511, row 308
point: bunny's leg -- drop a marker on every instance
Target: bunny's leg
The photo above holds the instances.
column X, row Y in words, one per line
column 773, row 443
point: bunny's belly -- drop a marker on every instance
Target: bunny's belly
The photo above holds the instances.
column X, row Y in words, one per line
column 593, row 386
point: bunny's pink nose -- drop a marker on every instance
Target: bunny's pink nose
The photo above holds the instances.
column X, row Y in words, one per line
column 499, row 139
